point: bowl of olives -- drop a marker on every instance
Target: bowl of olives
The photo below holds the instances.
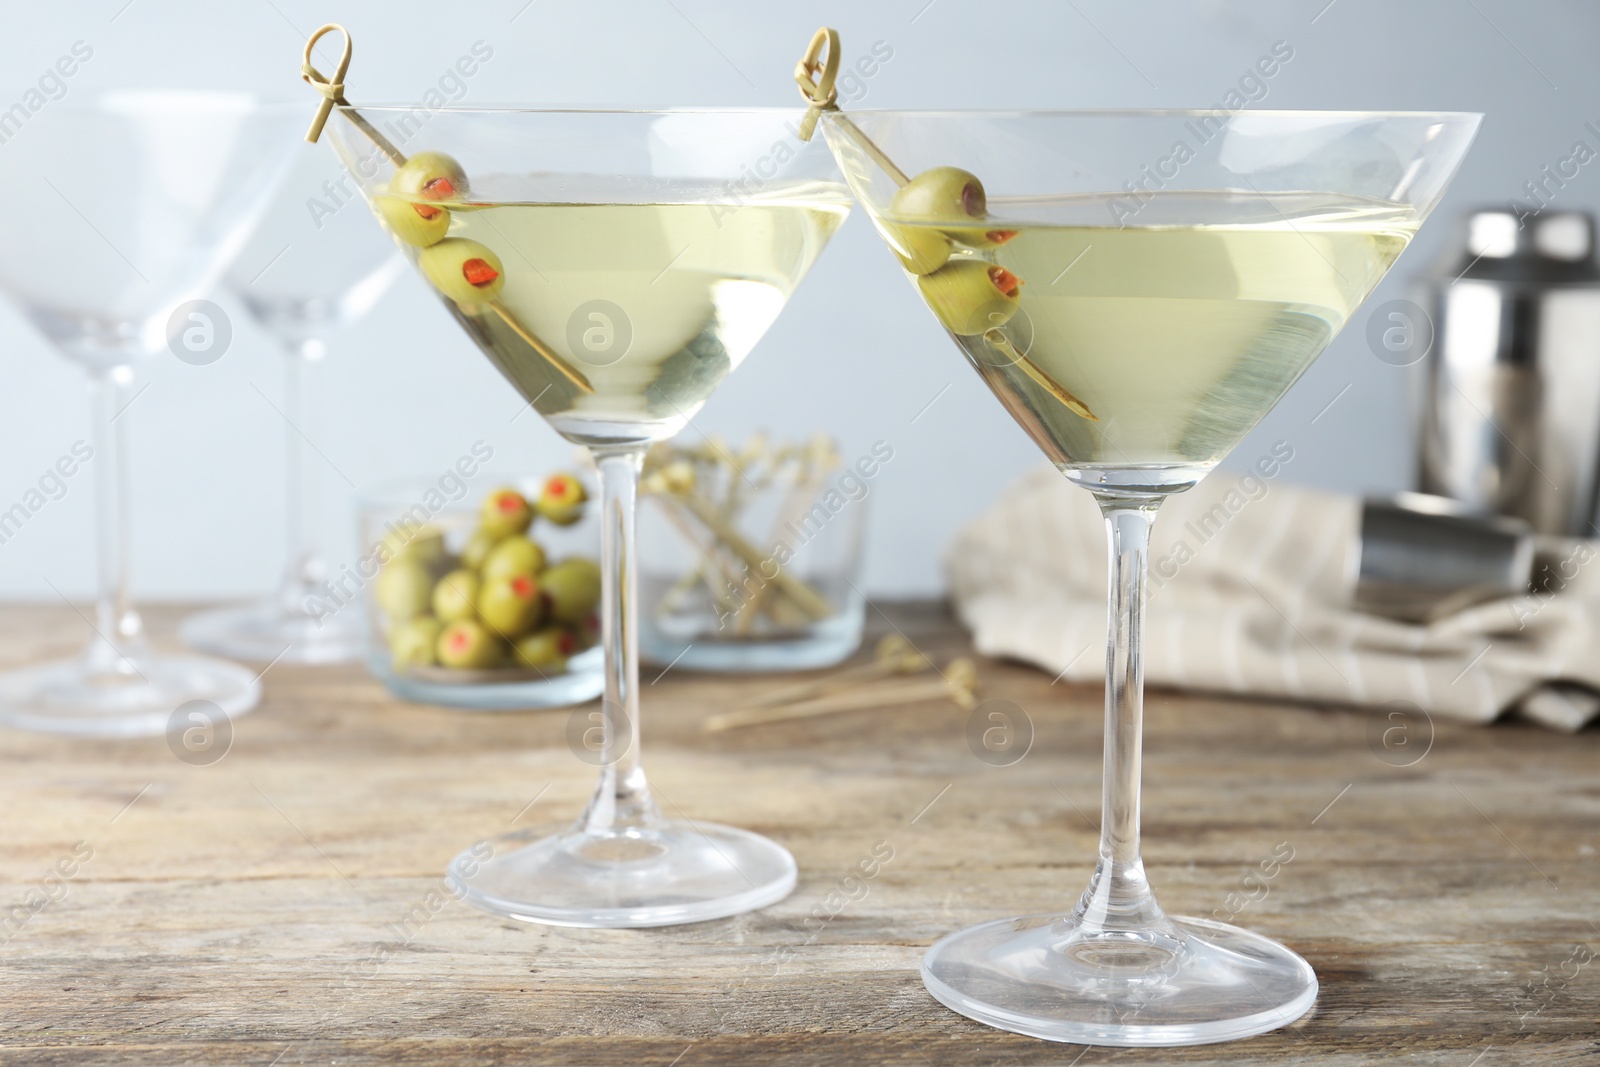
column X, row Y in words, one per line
column 488, row 605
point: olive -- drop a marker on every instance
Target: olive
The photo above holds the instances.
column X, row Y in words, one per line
column 511, row 557
column 949, row 198
column 505, row 512
column 463, row 270
column 468, row 643
column 941, row 195
column 414, row 643
column 430, row 176
column 403, row 589
column 479, row 545
column 971, row 296
column 572, row 589
column 456, row 596
column 511, row 606
column 561, row 499
column 421, row 544
column 414, row 222
column 405, row 207
column 546, row 648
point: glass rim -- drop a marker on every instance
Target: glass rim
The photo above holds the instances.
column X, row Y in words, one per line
column 514, row 109
column 975, row 113
column 244, row 99
column 1133, row 113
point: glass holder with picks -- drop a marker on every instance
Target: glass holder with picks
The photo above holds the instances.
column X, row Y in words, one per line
column 749, row 555
column 594, row 258
column 1136, row 340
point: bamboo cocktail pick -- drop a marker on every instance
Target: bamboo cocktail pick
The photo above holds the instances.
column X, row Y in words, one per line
column 332, row 92
column 894, row 655
column 815, row 74
column 959, row 684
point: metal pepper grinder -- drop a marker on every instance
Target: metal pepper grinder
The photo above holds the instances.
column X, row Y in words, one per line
column 1510, row 419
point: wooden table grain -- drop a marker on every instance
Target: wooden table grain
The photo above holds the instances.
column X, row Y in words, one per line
column 284, row 905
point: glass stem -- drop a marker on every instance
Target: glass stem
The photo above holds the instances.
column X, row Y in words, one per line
column 303, row 570
column 119, row 637
column 1119, row 897
column 622, row 799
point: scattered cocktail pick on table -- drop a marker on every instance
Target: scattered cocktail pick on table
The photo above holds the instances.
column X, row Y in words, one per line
column 332, row 92
column 894, row 655
column 959, row 683
column 815, row 74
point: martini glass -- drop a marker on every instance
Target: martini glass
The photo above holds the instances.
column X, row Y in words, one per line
column 616, row 267
column 132, row 205
column 314, row 266
column 1138, row 289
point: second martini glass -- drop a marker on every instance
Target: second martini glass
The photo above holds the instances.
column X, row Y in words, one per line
column 132, row 204
column 314, row 266
column 616, row 267
column 1138, row 289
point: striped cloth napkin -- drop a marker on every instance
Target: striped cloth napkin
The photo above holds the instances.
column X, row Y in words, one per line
column 1250, row 584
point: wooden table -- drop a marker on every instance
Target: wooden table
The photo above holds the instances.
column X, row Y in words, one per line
column 284, row 905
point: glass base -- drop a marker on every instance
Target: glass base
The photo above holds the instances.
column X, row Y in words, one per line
column 268, row 631
column 1181, row 982
column 826, row 644
column 67, row 697
column 582, row 681
column 673, row 872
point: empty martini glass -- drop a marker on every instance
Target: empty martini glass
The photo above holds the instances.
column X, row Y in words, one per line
column 314, row 266
column 616, row 267
column 134, row 203
column 1138, row 289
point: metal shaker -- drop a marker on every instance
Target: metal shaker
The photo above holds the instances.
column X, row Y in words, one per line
column 1510, row 400
column 1420, row 558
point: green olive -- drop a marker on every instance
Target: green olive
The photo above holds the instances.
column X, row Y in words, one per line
column 511, row 557
column 468, row 643
column 420, row 544
column 403, row 589
column 943, row 195
column 587, row 632
column 948, row 198
column 561, row 499
column 572, row 588
column 505, row 512
column 463, row 270
column 476, row 553
column 511, row 606
column 456, row 595
column 544, row 649
column 414, row 222
column 406, row 206
column 971, row 296
column 430, row 176
column 415, row 643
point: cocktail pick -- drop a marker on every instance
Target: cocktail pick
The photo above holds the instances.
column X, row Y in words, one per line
column 332, row 92
column 815, row 74
column 894, row 655
column 959, row 684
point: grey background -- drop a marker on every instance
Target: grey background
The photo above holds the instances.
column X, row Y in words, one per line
column 403, row 393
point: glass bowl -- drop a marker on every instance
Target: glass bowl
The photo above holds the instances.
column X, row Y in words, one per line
column 750, row 556
column 450, row 505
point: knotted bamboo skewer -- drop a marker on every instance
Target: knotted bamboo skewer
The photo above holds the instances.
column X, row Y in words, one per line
column 959, row 684
column 815, row 74
column 332, row 92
